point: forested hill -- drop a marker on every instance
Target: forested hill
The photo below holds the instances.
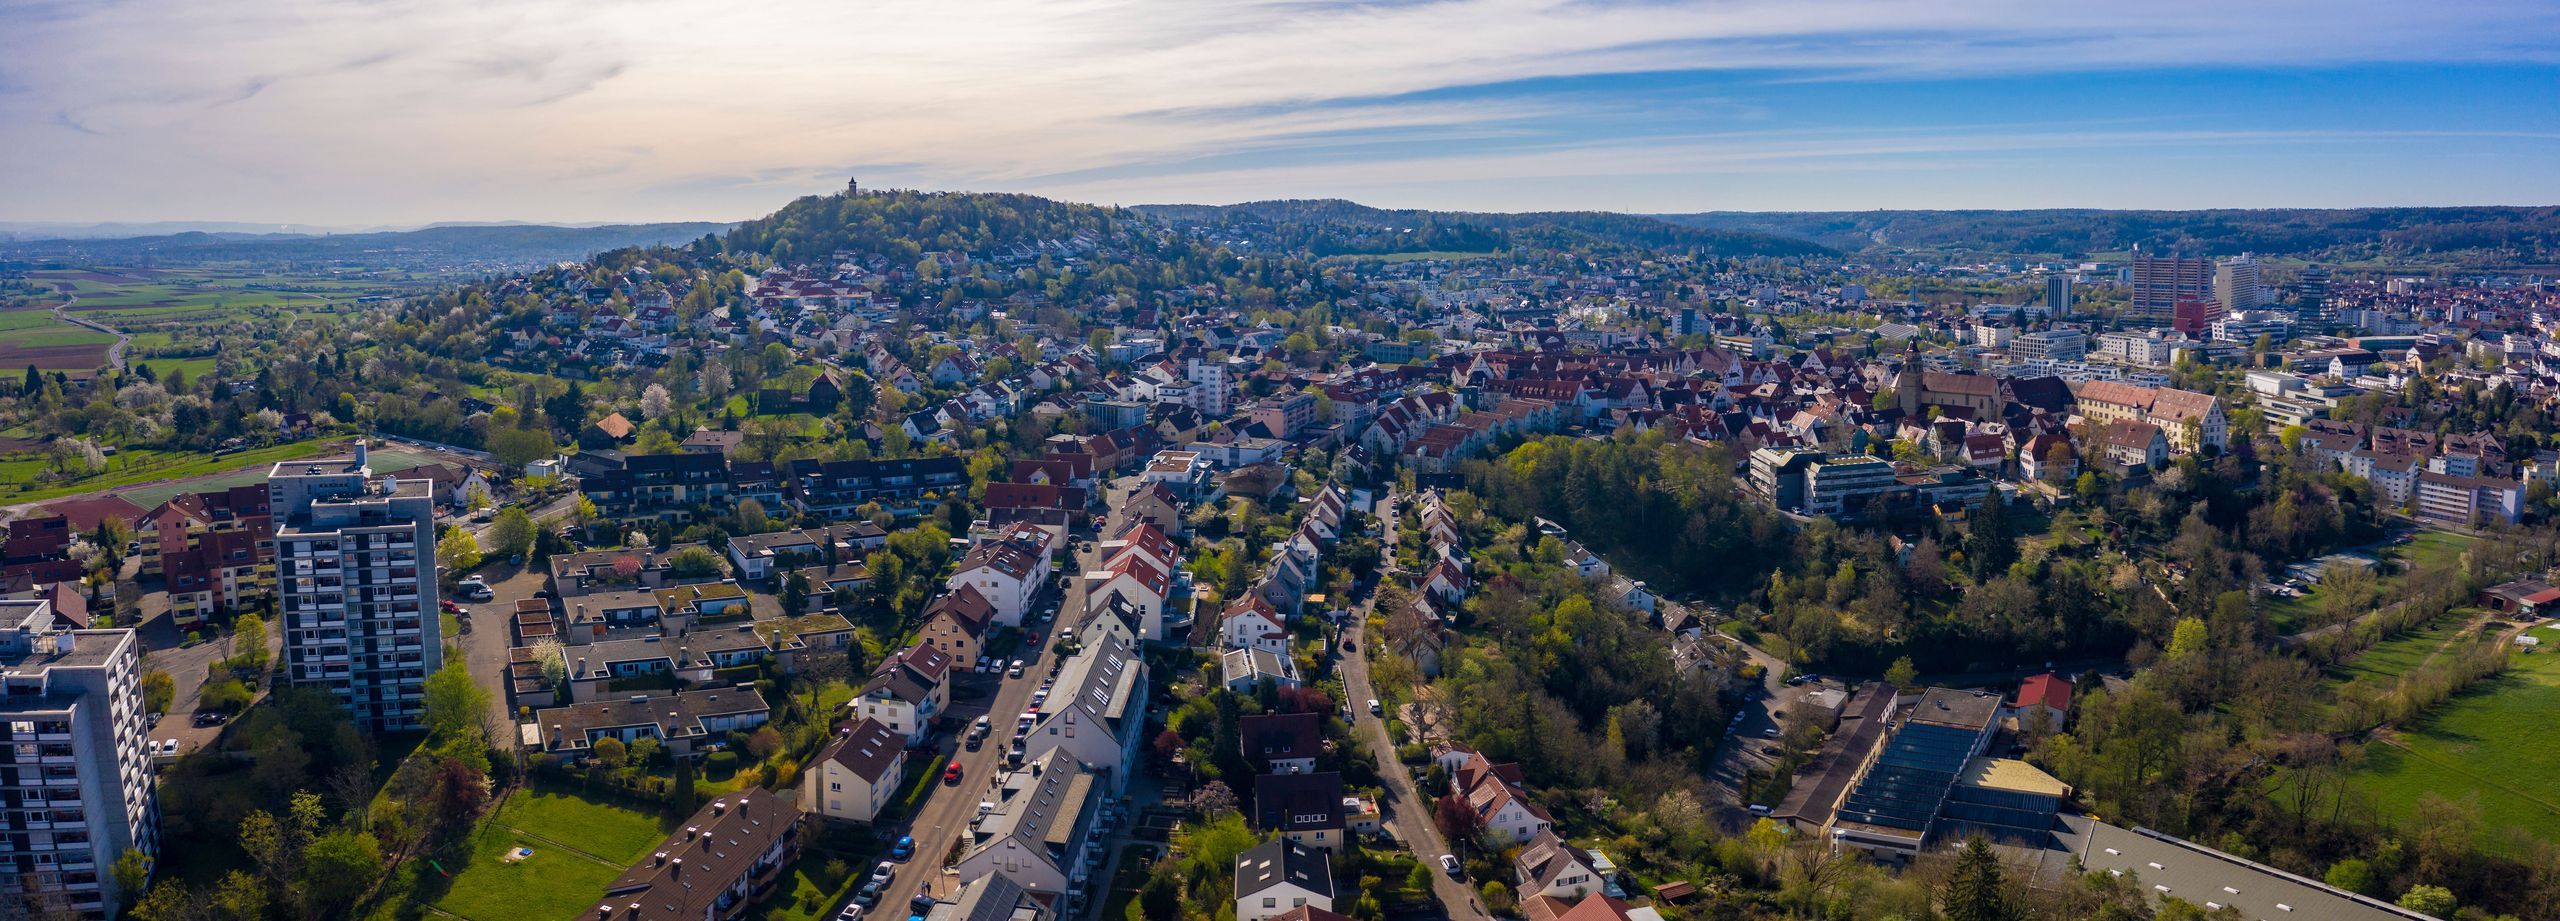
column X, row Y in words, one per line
column 906, row 225
column 1331, row 227
column 2477, row 235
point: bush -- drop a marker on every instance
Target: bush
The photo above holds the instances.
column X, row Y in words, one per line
column 227, row 695
column 1411, row 753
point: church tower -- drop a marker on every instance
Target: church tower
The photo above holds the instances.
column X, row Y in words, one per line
column 1910, row 390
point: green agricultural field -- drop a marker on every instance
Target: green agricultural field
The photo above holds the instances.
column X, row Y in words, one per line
column 142, row 466
column 2494, row 742
column 136, row 299
column 579, row 845
column 195, row 367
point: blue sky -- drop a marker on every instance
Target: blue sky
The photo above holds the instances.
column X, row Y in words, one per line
column 408, row 111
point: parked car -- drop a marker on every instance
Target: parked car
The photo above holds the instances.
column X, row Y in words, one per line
column 1449, row 865
column 1375, row 709
column 884, row 872
column 905, row 848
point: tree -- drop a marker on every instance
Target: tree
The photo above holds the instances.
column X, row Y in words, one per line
column 1989, row 547
column 795, row 594
column 454, row 703
column 516, row 447
column 337, row 867
column 249, row 640
column 227, row 695
column 476, row 498
column 655, row 403
column 132, row 870
column 240, row 897
column 610, row 752
column 2428, row 900
column 1977, row 891
column 2352, row 874
column 1902, row 674
column 457, row 552
column 513, row 532
column 158, row 690
column 694, row 563
column 2187, row 639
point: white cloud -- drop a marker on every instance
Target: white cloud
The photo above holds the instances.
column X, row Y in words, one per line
column 411, row 110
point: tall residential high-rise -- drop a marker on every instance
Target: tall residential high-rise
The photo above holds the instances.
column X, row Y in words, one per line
column 356, row 577
column 2057, row 294
column 76, row 788
column 2236, row 284
column 2311, row 296
column 2160, row 283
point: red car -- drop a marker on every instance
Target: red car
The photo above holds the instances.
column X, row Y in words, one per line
column 951, row 775
column 450, row 607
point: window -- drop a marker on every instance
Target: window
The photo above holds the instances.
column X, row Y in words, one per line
column 1270, row 902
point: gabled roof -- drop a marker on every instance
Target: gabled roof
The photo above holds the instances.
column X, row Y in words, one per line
column 1281, row 860
column 867, row 747
column 2048, row 689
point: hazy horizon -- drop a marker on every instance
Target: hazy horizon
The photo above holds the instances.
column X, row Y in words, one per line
column 409, row 112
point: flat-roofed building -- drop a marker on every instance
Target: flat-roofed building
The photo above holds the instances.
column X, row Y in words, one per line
column 356, row 585
column 79, row 791
column 2169, row 867
column 1895, row 807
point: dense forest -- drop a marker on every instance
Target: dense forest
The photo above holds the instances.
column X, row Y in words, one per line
column 2485, row 235
column 1332, row 227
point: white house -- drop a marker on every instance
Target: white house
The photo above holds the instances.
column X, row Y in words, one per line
column 907, row 691
column 1279, row 876
column 1550, row 867
column 854, row 777
column 1008, row 569
column 1251, row 622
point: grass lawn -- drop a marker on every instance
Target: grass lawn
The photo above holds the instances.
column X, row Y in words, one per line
column 806, row 893
column 605, row 829
column 141, row 466
column 2493, row 741
column 579, row 845
column 554, row 883
column 2394, row 657
column 2432, row 548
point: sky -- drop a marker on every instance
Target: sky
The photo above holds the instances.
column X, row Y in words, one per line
column 399, row 112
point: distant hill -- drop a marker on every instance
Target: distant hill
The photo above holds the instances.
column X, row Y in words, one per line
column 455, row 245
column 2485, row 235
column 1329, row 227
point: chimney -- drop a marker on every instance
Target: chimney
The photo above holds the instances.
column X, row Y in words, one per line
column 675, row 868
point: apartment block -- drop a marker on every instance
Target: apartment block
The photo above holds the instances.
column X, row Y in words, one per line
column 76, row 788
column 356, row 580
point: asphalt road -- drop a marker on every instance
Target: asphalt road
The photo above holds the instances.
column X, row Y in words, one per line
column 942, row 822
column 1406, row 812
